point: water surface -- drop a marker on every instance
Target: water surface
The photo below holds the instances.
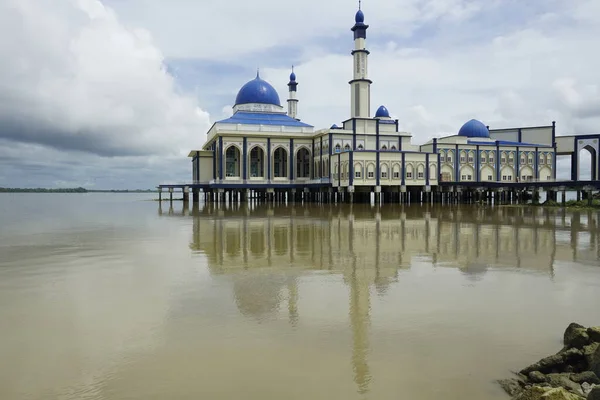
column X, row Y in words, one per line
column 112, row 296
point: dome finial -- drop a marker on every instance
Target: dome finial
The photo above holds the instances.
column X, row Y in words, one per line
column 257, row 73
column 359, row 1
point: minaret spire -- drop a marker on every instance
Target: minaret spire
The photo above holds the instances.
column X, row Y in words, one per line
column 360, row 84
column 292, row 100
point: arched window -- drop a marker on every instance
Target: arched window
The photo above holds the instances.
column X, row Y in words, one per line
column 491, row 157
column 280, row 163
column 335, row 171
column 232, row 161
column 257, row 164
column 463, row 156
column 384, row 147
column 338, row 148
column 360, row 147
column 396, row 171
column 471, row 157
column 303, row 163
column 409, row 171
column 370, row 171
column 420, row 171
column 384, row 171
column 358, row 171
column 393, row 147
column 347, row 147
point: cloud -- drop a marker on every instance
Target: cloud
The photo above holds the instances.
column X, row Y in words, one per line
column 73, row 77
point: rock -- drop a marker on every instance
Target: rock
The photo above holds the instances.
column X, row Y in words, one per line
column 594, row 333
column 586, row 388
column 556, row 362
column 511, row 386
column 589, row 351
column 587, row 376
column 576, row 336
column 537, row 377
column 532, row 393
column 594, row 394
column 559, row 394
column 563, row 380
column 594, row 361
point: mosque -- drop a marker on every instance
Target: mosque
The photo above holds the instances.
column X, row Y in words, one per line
column 262, row 147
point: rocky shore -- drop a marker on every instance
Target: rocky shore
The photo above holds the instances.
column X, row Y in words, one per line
column 571, row 374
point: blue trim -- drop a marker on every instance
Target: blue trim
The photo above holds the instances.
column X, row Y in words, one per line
column 574, row 165
column 262, row 118
column 339, row 177
column 321, row 152
column 555, row 146
column 312, row 167
column 520, row 135
column 477, row 164
column 330, row 143
column 507, row 143
column 351, row 168
column 214, row 149
column 293, row 158
column 456, row 164
column 377, row 155
column 536, row 160
column 268, row 158
column 221, row 157
column 518, row 164
column 497, row 162
column 403, row 169
column 245, row 159
column 353, row 134
column 426, row 169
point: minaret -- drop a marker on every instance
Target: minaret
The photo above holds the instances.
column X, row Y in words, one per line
column 292, row 100
column 360, row 85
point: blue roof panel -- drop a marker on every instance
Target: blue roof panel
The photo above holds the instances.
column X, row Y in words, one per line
column 258, row 118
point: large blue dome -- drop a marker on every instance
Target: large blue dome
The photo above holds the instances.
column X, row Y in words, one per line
column 474, row 129
column 257, row 91
column 382, row 112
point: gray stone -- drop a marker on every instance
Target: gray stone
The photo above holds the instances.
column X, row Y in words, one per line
column 594, row 333
column 594, row 394
column 532, row 393
column 556, row 362
column 576, row 336
column 563, row 380
column 589, row 351
column 587, row 388
column 594, row 361
column 537, row 377
column 587, row 376
column 511, row 386
column 559, row 394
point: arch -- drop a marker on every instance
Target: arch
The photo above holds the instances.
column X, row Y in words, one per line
column 338, row 148
column 471, row 158
column 447, row 173
column 421, row 171
column 232, row 161
column 370, row 170
column 396, row 170
column 491, row 156
column 433, row 172
column 409, row 169
column 336, row 171
column 587, row 156
column 546, row 174
column 256, row 162
column 393, row 147
column 358, row 171
column 526, row 174
column 303, row 163
column 463, row 156
column 487, row 174
column 467, row 173
column 549, row 159
column 507, row 174
column 347, row 147
column 360, row 147
column 449, row 156
column 483, row 157
column 384, row 171
column 280, row 163
column 504, row 157
column 384, row 147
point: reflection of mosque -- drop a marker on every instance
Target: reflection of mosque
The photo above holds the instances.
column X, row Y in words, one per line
column 369, row 245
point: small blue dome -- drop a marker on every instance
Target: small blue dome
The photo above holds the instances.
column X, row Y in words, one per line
column 382, row 112
column 474, row 129
column 292, row 76
column 334, row 126
column 257, row 91
column 359, row 18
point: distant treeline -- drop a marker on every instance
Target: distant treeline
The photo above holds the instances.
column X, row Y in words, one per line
column 71, row 190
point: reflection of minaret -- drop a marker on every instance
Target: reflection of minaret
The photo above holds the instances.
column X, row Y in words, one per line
column 293, row 301
column 359, row 322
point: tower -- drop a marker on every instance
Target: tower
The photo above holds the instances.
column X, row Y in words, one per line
column 292, row 100
column 360, row 85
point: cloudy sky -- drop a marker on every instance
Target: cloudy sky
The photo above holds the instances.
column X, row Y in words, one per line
column 114, row 93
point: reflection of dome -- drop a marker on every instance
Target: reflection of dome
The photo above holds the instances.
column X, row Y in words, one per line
column 474, row 129
column 257, row 91
column 258, row 296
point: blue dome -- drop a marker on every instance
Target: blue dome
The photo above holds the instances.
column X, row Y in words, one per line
column 382, row 112
column 359, row 18
column 292, row 76
column 257, row 91
column 474, row 129
column 334, row 126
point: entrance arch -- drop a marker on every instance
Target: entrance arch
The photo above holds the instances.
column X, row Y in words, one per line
column 257, row 162
column 280, row 163
column 232, row 161
column 587, row 163
column 303, row 163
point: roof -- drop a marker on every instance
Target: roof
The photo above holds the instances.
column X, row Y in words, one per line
column 474, row 128
column 257, row 91
column 258, row 118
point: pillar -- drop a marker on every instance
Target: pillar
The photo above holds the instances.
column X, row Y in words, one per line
column 186, row 194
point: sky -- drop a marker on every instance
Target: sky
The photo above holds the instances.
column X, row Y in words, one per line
column 112, row 94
